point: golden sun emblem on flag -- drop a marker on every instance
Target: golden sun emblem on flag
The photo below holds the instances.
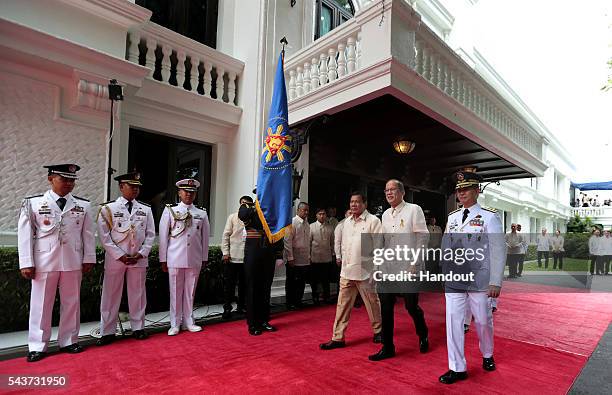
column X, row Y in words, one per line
column 275, row 144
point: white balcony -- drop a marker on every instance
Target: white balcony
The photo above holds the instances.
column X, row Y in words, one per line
column 599, row 215
column 196, row 77
column 390, row 51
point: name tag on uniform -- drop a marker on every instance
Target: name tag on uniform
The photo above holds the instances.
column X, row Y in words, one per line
column 118, row 215
column 140, row 213
column 43, row 211
column 77, row 209
column 197, row 216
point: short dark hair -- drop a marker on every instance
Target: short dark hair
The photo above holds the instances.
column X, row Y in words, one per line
column 359, row 193
column 247, row 198
column 321, row 209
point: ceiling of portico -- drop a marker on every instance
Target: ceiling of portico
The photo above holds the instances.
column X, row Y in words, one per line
column 359, row 139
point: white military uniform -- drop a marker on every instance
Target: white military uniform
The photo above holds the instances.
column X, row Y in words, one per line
column 183, row 244
column 55, row 243
column 481, row 223
column 124, row 233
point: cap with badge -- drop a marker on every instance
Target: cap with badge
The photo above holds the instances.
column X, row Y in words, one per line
column 188, row 184
column 66, row 170
column 466, row 179
column 132, row 178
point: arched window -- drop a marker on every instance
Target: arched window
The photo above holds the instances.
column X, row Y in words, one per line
column 331, row 14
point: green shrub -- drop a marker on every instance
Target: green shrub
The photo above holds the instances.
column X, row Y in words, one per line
column 577, row 245
column 15, row 290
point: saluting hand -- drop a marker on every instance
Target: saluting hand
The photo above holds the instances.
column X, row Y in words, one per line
column 28, row 273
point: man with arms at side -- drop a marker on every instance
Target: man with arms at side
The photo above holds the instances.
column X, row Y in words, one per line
column 183, row 250
column 356, row 273
column 232, row 248
column 403, row 225
column 297, row 252
column 56, row 246
column 321, row 252
column 475, row 228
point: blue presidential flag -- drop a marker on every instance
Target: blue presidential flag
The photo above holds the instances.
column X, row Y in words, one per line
column 274, row 195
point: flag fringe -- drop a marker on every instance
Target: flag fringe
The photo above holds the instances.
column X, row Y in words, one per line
column 273, row 238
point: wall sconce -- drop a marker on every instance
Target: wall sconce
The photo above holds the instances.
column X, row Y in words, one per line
column 403, row 146
column 296, row 179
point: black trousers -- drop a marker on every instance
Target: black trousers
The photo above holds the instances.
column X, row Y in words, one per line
column 513, row 261
column 258, row 273
column 558, row 256
column 594, row 259
column 233, row 274
column 411, row 302
column 546, row 255
column 295, row 282
column 319, row 275
column 521, row 261
column 607, row 259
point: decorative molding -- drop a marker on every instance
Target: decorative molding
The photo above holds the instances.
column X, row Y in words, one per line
column 38, row 45
column 119, row 12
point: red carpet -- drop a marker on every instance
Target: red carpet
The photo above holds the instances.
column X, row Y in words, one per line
column 542, row 342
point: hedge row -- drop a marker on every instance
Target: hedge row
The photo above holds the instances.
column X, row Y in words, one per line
column 15, row 290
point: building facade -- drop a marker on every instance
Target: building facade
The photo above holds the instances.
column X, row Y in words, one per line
column 361, row 76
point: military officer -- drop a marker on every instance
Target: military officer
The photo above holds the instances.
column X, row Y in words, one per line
column 183, row 250
column 56, row 246
column 127, row 231
column 260, row 257
column 479, row 229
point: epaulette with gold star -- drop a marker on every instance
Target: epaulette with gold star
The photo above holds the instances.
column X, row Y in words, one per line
column 490, row 209
column 453, row 212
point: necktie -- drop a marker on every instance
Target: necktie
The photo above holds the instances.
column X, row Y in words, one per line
column 129, row 206
column 465, row 215
column 61, row 202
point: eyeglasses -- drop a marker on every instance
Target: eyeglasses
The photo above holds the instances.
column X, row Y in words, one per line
column 390, row 190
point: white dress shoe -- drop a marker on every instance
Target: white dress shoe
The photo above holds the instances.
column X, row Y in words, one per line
column 192, row 328
column 173, row 331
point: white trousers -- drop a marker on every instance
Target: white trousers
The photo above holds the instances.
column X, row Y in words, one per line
column 42, row 298
column 183, row 282
column 112, row 288
column 468, row 311
column 455, row 317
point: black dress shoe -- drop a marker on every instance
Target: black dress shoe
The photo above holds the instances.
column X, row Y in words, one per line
column 488, row 364
column 384, row 353
column 74, row 348
column 139, row 334
column 493, row 309
column 34, row 356
column 316, row 301
column 451, row 376
column 423, row 345
column 254, row 331
column 377, row 338
column 227, row 314
column 291, row 307
column 330, row 345
column 241, row 310
column 105, row 339
column 466, row 328
column 267, row 327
